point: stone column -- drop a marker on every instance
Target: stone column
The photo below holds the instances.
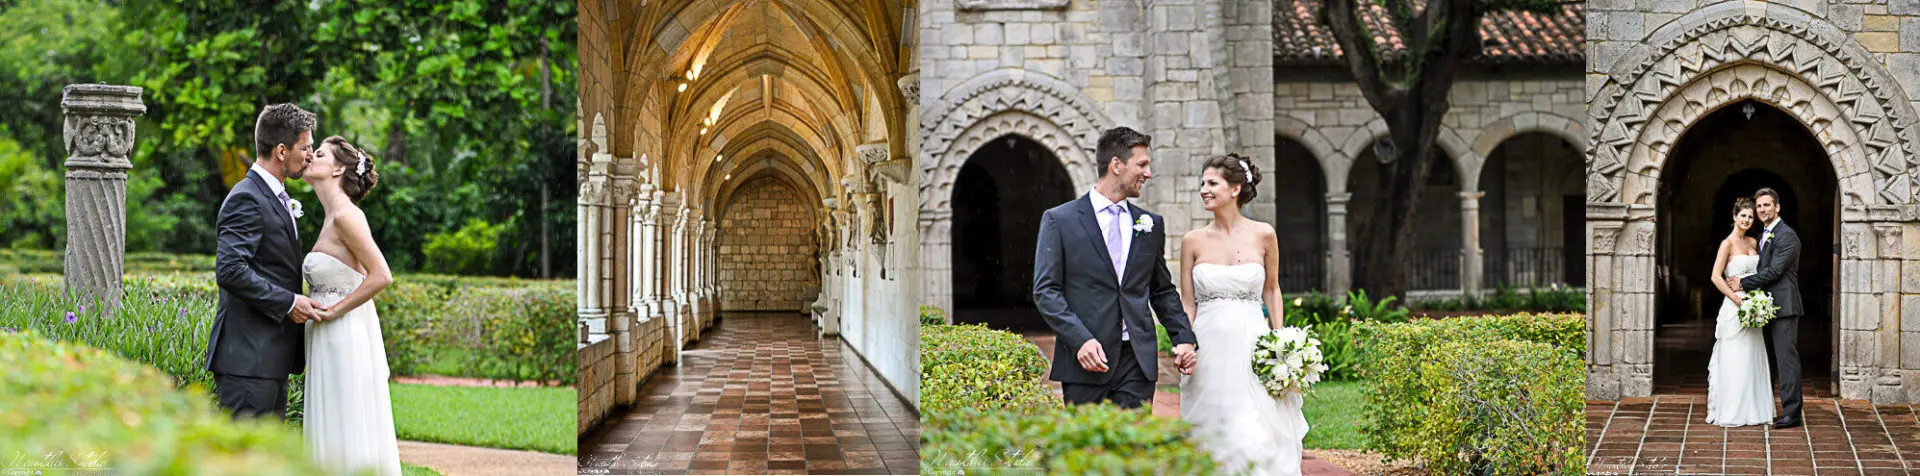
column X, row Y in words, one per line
column 1339, row 259
column 593, row 244
column 936, row 259
column 665, row 276
column 681, row 283
column 640, row 282
column 99, row 136
column 1472, row 258
column 620, row 296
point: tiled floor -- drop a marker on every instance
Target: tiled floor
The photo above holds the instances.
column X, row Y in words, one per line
column 760, row 395
column 1683, row 352
column 1668, row 434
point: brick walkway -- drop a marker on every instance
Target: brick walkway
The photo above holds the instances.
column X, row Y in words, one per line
column 1167, row 403
column 760, row 395
column 1668, row 434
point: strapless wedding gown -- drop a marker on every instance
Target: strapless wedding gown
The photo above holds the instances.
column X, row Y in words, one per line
column 1233, row 417
column 1739, row 390
column 349, row 418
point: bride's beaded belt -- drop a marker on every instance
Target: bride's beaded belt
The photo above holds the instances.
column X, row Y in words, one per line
column 1252, row 297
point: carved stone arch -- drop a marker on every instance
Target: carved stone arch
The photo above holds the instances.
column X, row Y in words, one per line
column 1000, row 102
column 1839, row 81
column 1333, row 162
column 1844, row 145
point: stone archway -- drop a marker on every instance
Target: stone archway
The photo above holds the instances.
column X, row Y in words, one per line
column 987, row 107
column 1302, row 223
column 1531, row 227
column 1789, row 60
column 999, row 196
column 1730, row 153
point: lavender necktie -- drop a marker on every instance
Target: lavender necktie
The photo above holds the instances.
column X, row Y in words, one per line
column 1115, row 251
column 287, row 203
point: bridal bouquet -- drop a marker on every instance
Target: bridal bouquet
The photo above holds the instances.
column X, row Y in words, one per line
column 1288, row 360
column 1757, row 308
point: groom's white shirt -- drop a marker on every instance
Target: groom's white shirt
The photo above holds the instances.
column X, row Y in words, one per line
column 1100, row 204
column 278, row 189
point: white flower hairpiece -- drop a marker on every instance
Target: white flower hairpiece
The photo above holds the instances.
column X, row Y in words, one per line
column 1246, row 168
column 361, row 168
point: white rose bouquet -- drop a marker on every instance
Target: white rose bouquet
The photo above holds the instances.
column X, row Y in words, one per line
column 1288, row 360
column 1757, row 308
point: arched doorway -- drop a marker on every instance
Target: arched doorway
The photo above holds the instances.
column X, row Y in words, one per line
column 1300, row 217
column 998, row 198
column 1730, row 153
column 1434, row 262
column 1533, row 218
column 767, row 253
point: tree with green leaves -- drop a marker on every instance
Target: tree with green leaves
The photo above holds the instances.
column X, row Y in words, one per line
column 1409, row 90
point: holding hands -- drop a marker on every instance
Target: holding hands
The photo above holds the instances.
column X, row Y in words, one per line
column 1185, row 357
column 305, row 309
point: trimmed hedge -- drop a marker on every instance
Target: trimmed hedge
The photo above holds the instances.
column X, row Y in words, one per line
column 1078, row 439
column 1483, row 395
column 521, row 332
column 973, row 367
column 86, row 408
column 987, row 410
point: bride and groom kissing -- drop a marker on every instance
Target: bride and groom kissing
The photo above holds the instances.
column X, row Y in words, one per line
column 1100, row 278
column 1738, row 389
column 265, row 329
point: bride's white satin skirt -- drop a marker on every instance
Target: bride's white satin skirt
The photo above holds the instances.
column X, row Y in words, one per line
column 1739, row 390
column 349, row 416
column 1233, row 417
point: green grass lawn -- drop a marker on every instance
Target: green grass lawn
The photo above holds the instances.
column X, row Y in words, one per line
column 1333, row 415
column 535, row 419
column 411, row 470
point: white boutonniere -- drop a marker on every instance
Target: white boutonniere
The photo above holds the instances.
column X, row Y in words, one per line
column 297, row 211
column 1143, row 225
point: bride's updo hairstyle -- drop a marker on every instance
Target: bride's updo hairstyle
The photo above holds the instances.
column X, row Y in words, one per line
column 1742, row 203
column 360, row 177
column 1238, row 170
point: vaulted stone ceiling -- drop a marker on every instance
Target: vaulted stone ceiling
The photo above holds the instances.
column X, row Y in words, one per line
column 704, row 95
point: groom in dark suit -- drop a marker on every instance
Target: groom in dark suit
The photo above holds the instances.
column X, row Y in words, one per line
column 258, row 336
column 1099, row 265
column 1779, row 275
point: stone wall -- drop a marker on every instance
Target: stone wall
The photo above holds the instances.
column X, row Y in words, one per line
column 767, row 250
column 1196, row 75
column 1846, row 69
column 595, row 384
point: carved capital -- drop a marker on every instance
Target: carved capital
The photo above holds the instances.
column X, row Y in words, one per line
column 99, row 125
column 910, row 88
column 873, row 152
column 894, row 170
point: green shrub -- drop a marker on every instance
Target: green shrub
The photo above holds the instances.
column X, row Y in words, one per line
column 1466, row 394
column 1337, row 345
column 1365, row 309
column 1307, row 310
column 468, row 251
column 1497, row 407
column 1555, row 298
column 932, row 316
column 1078, row 439
column 85, row 408
column 974, row 367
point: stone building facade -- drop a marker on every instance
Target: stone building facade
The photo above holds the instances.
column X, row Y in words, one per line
column 1677, row 88
column 745, row 156
column 1502, row 205
column 1018, row 93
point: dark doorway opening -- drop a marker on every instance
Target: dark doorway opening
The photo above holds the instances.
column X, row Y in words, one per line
column 1731, row 153
column 998, row 198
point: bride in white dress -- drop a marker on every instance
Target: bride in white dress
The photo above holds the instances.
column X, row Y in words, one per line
column 1739, row 390
column 1229, row 268
column 348, row 418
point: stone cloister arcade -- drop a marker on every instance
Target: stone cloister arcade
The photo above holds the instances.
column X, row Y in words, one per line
column 744, row 157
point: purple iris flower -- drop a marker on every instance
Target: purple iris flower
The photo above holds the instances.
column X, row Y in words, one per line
column 72, row 318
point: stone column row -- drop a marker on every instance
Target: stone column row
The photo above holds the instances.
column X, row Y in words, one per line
column 1339, row 261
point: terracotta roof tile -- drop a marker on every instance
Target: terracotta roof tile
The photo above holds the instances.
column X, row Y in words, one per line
column 1508, row 36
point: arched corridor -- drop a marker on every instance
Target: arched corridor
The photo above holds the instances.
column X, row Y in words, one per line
column 745, row 161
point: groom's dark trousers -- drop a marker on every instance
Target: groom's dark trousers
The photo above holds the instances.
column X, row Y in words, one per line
column 255, row 345
column 1779, row 275
column 1076, row 290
